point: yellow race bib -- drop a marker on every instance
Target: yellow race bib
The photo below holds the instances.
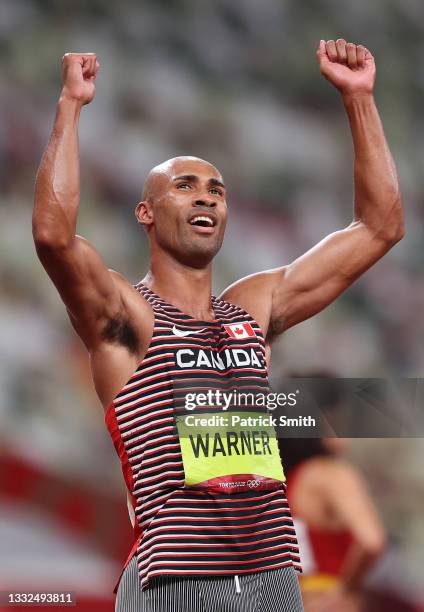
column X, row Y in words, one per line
column 230, row 452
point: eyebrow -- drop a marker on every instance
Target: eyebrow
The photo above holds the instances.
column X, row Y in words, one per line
column 192, row 178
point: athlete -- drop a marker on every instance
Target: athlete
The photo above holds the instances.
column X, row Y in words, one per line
column 212, row 532
column 336, row 523
column 339, row 531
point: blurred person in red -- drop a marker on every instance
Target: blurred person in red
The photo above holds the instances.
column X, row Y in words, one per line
column 195, row 542
column 339, row 530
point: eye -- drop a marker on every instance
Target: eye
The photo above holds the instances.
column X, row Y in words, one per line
column 184, row 186
column 215, row 191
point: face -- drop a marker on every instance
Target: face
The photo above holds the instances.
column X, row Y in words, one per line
column 185, row 210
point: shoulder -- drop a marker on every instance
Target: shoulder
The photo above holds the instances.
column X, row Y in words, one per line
column 338, row 478
column 260, row 281
column 254, row 293
column 347, row 478
column 315, row 469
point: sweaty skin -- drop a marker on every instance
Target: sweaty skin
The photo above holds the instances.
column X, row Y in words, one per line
column 114, row 321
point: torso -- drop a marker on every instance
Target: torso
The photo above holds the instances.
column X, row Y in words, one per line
column 115, row 359
column 324, row 541
column 181, row 526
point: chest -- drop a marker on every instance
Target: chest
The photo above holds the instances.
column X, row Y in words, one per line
column 221, row 346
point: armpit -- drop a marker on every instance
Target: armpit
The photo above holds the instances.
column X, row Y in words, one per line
column 120, row 331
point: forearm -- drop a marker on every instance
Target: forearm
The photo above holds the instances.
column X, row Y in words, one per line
column 377, row 195
column 357, row 565
column 57, row 188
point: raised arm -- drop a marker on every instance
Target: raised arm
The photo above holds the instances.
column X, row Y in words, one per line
column 295, row 292
column 89, row 290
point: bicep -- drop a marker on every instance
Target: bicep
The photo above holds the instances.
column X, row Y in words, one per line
column 318, row 277
column 85, row 285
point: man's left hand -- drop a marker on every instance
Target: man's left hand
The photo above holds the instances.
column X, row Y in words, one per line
column 347, row 66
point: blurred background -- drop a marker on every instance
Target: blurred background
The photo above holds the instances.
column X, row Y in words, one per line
column 235, row 82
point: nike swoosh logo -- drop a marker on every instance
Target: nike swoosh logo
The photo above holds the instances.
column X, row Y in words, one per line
column 181, row 333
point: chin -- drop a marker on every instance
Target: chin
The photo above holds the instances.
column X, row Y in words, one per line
column 199, row 255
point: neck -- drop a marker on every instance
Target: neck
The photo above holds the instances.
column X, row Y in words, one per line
column 189, row 289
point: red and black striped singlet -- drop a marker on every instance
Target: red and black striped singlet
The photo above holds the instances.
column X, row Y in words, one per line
column 180, row 530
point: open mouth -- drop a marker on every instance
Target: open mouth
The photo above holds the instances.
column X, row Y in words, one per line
column 202, row 221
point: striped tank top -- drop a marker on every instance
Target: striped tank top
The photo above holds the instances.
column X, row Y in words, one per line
column 179, row 529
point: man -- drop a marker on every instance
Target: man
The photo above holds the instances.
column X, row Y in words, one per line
column 231, row 546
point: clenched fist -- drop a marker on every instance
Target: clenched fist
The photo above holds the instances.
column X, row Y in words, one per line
column 79, row 71
column 347, row 66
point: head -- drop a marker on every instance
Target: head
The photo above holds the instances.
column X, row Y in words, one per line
column 184, row 210
column 328, row 394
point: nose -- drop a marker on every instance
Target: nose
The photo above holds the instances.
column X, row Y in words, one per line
column 206, row 202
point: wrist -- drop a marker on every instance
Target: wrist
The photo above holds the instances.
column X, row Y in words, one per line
column 68, row 102
column 67, row 114
column 68, row 109
column 357, row 97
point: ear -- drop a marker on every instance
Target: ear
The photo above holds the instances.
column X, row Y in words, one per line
column 144, row 213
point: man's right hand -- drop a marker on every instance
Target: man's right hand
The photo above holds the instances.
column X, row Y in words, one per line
column 79, row 71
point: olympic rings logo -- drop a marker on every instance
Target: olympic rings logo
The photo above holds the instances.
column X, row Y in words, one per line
column 253, row 484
